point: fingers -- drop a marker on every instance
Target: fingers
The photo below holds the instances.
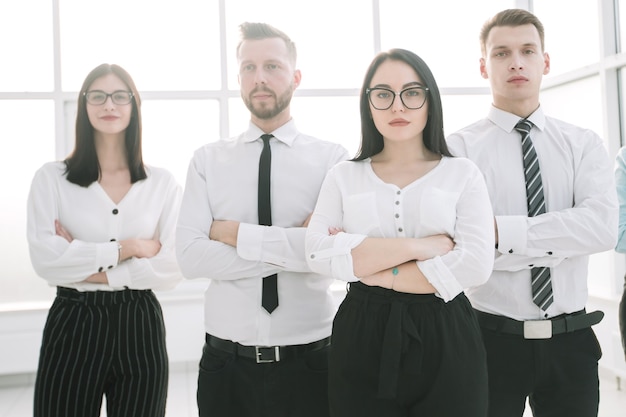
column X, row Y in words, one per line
column 60, row 231
column 332, row 230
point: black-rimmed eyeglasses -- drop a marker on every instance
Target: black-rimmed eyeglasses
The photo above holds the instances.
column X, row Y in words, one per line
column 98, row 97
column 412, row 98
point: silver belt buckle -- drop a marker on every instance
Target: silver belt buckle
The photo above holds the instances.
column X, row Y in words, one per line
column 538, row 329
column 259, row 354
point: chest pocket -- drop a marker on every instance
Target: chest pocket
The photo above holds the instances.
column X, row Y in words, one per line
column 360, row 214
column 437, row 212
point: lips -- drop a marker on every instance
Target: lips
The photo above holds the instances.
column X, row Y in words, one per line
column 261, row 94
column 517, row 79
column 109, row 118
column 399, row 122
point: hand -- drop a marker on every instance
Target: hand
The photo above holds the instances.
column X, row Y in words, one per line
column 98, row 278
column 332, row 230
column 225, row 231
column 139, row 248
column 433, row 246
column 60, row 231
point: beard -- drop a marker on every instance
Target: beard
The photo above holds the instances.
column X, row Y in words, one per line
column 265, row 111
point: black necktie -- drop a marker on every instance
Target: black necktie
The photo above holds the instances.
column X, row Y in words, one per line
column 540, row 277
column 269, row 299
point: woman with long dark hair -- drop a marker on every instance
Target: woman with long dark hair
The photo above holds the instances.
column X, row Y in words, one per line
column 101, row 229
column 409, row 227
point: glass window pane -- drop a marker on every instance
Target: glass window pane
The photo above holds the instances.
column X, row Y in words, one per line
column 173, row 130
column 334, row 119
column 448, row 42
column 161, row 46
column 26, row 47
column 460, row 111
column 326, row 60
column 571, row 33
column 564, row 102
column 28, row 127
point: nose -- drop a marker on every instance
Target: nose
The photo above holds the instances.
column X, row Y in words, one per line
column 397, row 104
column 516, row 62
column 108, row 103
column 259, row 76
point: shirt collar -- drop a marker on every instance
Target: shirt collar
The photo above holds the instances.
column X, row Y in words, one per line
column 507, row 121
column 286, row 133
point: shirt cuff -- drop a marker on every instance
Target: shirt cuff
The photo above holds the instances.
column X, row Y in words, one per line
column 340, row 256
column 512, row 234
column 250, row 241
column 119, row 277
column 440, row 277
column 107, row 256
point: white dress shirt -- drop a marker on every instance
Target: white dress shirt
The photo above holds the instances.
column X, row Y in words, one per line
column 222, row 185
column 451, row 199
column 581, row 205
column 148, row 211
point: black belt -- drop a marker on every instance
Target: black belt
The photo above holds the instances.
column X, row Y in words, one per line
column 265, row 354
column 540, row 329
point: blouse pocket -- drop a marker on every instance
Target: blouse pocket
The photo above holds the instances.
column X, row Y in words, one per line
column 360, row 214
column 438, row 212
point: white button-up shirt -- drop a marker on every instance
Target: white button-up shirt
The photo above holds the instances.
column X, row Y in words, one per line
column 222, row 185
column 581, row 203
column 451, row 199
column 148, row 211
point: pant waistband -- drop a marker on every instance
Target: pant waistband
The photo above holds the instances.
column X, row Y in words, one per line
column 101, row 298
column 540, row 329
column 265, row 354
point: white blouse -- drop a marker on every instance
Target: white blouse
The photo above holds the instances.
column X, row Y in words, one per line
column 148, row 211
column 451, row 199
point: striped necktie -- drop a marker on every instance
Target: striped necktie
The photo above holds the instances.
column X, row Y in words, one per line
column 269, row 297
column 540, row 277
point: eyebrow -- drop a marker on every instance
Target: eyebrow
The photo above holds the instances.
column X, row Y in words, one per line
column 526, row 45
column 407, row 85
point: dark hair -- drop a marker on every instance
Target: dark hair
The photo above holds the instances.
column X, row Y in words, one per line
column 371, row 139
column 258, row 31
column 82, row 167
column 511, row 17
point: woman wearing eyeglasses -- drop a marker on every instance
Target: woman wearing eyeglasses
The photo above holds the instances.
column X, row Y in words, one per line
column 101, row 229
column 409, row 227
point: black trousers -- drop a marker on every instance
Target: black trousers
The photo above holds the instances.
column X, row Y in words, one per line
column 234, row 386
column 102, row 343
column 396, row 354
column 559, row 375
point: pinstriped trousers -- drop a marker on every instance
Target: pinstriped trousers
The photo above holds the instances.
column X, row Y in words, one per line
column 99, row 344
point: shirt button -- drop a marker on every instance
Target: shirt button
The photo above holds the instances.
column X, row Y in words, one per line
column 510, row 250
column 100, row 269
column 398, row 192
column 399, row 229
column 113, row 240
column 397, row 215
column 397, row 202
column 549, row 252
column 115, row 211
column 110, row 266
column 531, row 265
column 312, row 256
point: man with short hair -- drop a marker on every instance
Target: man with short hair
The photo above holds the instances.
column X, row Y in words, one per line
column 553, row 195
column 260, row 358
